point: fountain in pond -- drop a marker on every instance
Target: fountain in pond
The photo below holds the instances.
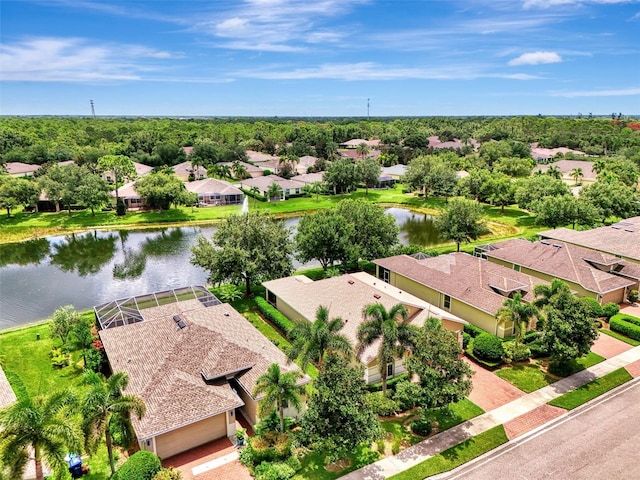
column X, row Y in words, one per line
column 245, row 205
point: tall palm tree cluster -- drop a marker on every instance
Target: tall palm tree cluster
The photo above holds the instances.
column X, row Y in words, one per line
column 43, row 429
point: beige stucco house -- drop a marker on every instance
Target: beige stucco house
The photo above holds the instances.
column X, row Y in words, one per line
column 468, row 287
column 298, row 298
column 195, row 364
column 212, row 192
column 588, row 273
column 287, row 187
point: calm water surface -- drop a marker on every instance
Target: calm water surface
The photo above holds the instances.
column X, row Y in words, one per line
column 87, row 269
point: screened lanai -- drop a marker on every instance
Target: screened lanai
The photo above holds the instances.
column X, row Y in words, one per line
column 126, row 311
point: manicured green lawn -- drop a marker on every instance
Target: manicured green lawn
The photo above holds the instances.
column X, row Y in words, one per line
column 313, row 467
column 455, row 456
column 589, row 360
column 620, row 337
column 456, row 414
column 592, row 390
column 527, row 378
column 401, row 434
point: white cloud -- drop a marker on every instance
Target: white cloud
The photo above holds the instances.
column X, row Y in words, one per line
column 45, row 59
column 599, row 93
column 555, row 3
column 536, row 58
column 367, row 71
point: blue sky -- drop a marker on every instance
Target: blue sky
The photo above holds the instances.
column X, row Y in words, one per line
column 320, row 57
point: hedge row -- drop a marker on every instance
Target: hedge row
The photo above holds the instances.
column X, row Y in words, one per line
column 391, row 383
column 629, row 329
column 274, row 316
column 634, row 320
column 473, row 330
column 142, row 465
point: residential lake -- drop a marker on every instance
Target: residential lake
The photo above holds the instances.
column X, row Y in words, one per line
column 87, row 269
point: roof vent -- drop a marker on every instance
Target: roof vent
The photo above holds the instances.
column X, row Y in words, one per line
column 181, row 324
column 377, row 296
column 545, row 242
column 351, row 282
column 617, row 227
column 226, row 314
column 176, row 318
column 556, row 245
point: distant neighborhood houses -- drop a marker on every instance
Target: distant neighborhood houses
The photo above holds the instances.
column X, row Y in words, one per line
column 262, row 184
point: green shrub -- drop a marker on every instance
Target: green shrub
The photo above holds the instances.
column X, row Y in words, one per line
column 466, row 338
column 274, row 471
column 274, row 316
column 629, row 329
column 421, row 426
column 59, row 359
column 530, row 337
column 407, row 395
column 537, row 349
column 634, row 320
column 168, row 474
column 488, row 347
column 391, row 383
column 294, row 463
column 632, row 296
column 383, row 406
column 395, row 446
column 515, row 354
column 610, row 309
column 142, row 465
column 473, row 330
column 594, row 306
column 121, row 208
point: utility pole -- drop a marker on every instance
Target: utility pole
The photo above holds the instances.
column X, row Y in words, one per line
column 367, row 109
column 93, row 110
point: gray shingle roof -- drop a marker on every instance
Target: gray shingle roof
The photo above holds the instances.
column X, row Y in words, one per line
column 166, row 364
column 462, row 276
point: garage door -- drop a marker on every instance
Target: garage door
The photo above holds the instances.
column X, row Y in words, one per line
column 191, row 436
column 615, row 296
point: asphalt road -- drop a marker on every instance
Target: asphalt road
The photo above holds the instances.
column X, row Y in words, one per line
column 598, row 442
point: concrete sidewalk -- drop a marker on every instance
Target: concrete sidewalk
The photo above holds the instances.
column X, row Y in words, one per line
column 424, row 450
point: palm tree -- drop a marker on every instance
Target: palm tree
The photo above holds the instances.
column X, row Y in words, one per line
column 544, row 293
column 254, row 191
column 518, row 312
column 392, row 328
column 40, row 427
column 314, row 188
column 239, row 170
column 107, row 410
column 274, row 191
column 278, row 388
column 362, row 150
column 312, row 340
column 225, row 171
column 577, row 174
column 554, row 171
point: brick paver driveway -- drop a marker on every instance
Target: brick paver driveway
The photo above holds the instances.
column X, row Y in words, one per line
column 608, row 347
column 490, row 391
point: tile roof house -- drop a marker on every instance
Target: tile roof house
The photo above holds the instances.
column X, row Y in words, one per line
column 129, row 196
column 252, row 170
column 298, row 297
column 567, row 166
column 19, row 169
column 185, row 169
column 289, row 187
column 356, row 142
column 395, row 171
column 541, row 153
column 215, row 192
column 141, row 171
column 308, row 178
column 304, row 163
column 259, row 157
column 621, row 239
column 193, row 365
column 469, row 287
column 587, row 272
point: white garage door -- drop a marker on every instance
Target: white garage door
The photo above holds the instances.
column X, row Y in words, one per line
column 184, row 438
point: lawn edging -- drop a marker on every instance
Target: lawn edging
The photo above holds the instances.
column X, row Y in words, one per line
column 591, row 390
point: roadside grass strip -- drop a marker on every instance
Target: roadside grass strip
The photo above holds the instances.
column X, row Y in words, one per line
column 619, row 336
column 591, row 390
column 455, row 456
column 527, row 378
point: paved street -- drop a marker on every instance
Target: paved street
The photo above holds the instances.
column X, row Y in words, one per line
column 598, row 442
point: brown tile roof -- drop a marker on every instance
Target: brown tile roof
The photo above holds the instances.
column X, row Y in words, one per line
column 622, row 238
column 462, row 276
column 7, row 397
column 566, row 262
column 567, row 166
column 166, row 364
column 19, row 168
column 212, row 185
column 345, row 297
column 260, row 157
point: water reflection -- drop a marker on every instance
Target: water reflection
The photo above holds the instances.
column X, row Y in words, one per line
column 415, row 228
column 31, row 252
column 86, row 253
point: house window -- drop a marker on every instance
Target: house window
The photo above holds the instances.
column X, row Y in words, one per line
column 516, row 268
column 384, row 274
column 271, row 298
column 390, row 370
column 447, row 302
